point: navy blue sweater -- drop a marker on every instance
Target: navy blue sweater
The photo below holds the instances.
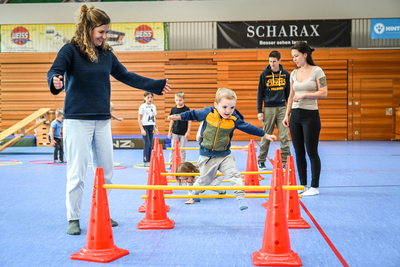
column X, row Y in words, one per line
column 87, row 84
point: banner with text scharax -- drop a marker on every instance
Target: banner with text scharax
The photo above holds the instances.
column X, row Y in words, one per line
column 281, row 34
column 50, row 38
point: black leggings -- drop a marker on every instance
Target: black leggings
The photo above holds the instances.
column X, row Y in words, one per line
column 305, row 126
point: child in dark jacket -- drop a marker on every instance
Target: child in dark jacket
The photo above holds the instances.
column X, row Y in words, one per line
column 216, row 134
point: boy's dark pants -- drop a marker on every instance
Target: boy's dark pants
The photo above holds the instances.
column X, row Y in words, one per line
column 58, row 149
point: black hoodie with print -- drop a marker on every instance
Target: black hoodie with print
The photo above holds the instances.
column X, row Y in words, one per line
column 273, row 88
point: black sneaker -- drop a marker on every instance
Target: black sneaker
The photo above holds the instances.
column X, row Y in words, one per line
column 223, row 193
column 261, row 166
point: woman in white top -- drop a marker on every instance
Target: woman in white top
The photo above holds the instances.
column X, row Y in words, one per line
column 307, row 84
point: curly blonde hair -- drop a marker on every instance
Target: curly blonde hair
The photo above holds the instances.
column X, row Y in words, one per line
column 86, row 20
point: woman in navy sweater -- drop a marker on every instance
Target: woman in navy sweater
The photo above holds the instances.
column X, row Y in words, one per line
column 82, row 68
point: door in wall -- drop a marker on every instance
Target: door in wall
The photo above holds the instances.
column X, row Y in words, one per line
column 376, row 114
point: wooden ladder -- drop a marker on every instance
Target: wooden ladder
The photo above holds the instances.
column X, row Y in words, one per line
column 39, row 116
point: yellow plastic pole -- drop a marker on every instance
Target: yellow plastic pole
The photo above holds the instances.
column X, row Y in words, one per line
column 170, row 163
column 224, row 181
column 205, row 187
column 218, row 174
column 197, row 148
column 210, row 196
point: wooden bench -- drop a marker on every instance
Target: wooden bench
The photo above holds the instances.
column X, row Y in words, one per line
column 39, row 116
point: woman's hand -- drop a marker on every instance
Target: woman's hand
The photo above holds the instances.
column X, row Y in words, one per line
column 143, row 132
column 285, row 121
column 298, row 97
column 167, row 88
column 57, row 82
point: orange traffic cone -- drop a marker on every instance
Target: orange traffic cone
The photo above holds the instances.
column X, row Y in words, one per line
column 155, row 143
column 295, row 221
column 252, row 179
column 176, row 158
column 156, row 214
column 155, row 146
column 277, row 163
column 100, row 245
column 150, row 181
column 163, row 179
column 276, row 250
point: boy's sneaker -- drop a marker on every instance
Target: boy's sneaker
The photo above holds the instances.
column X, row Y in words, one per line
column 56, row 161
column 242, row 204
column 223, row 193
column 146, row 164
column 261, row 166
column 196, row 193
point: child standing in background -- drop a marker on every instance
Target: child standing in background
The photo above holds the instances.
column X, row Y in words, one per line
column 112, row 107
column 187, row 167
column 147, row 124
column 55, row 136
column 179, row 130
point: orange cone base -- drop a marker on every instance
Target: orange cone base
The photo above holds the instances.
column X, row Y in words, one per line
column 298, row 224
column 156, row 224
column 168, row 192
column 99, row 255
column 143, row 208
column 265, row 205
column 262, row 178
column 254, row 191
column 265, row 259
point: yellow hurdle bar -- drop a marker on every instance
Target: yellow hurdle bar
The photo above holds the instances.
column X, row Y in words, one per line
column 218, row 174
column 170, row 163
column 224, row 181
column 210, row 196
column 197, row 148
column 204, row 187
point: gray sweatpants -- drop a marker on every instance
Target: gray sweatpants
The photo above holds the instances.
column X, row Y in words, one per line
column 182, row 143
column 274, row 116
column 209, row 166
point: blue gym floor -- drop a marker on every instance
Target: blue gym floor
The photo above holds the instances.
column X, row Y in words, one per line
column 355, row 221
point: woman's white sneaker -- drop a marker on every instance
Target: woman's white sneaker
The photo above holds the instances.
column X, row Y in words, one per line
column 303, row 190
column 311, row 192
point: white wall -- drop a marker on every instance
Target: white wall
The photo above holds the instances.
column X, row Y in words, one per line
column 188, row 11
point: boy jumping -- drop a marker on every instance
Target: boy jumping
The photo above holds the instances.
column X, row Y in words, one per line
column 216, row 134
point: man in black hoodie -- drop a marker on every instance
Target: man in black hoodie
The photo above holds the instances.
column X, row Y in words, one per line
column 273, row 92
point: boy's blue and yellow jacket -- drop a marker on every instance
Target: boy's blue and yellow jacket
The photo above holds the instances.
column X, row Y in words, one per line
column 217, row 132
